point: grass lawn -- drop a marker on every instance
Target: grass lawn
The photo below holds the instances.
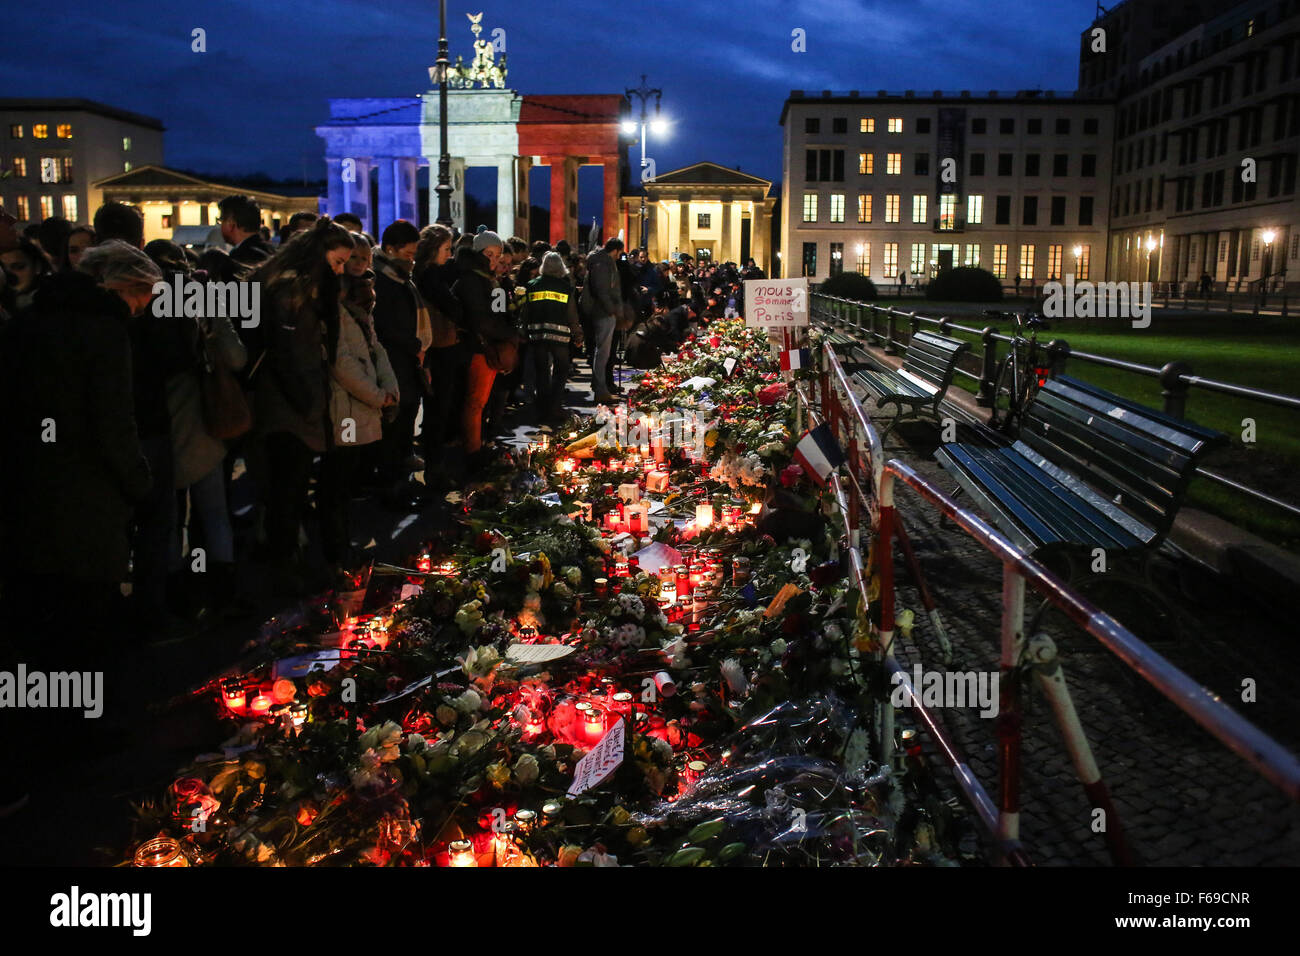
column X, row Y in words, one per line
column 1262, row 353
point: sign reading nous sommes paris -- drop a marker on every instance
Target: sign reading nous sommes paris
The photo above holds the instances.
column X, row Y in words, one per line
column 776, row 302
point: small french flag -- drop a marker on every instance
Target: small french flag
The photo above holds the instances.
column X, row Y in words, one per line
column 795, row 359
column 818, row 453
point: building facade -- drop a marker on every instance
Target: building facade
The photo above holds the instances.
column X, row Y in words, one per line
column 1206, row 141
column 893, row 183
column 183, row 208
column 707, row 211
column 54, row 151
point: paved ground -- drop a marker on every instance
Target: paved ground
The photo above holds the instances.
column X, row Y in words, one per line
column 1184, row 799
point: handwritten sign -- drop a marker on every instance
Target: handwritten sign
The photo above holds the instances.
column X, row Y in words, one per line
column 537, row 653
column 776, row 302
column 602, row 760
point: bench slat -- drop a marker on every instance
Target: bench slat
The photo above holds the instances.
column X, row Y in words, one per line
column 1070, row 518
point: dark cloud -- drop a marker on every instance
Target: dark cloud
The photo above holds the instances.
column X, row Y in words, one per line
column 251, row 101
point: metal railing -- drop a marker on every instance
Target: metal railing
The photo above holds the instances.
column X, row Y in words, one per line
column 870, row 492
column 880, row 325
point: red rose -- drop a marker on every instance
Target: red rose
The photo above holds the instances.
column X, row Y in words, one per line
column 790, row 476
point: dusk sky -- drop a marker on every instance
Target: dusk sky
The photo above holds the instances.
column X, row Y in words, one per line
column 249, row 104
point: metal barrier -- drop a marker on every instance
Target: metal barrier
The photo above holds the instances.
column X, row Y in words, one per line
column 870, row 491
column 1175, row 377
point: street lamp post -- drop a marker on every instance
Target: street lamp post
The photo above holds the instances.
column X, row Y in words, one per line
column 444, row 158
column 1268, row 236
column 643, row 93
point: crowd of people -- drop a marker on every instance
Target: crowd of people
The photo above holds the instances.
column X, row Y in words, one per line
column 388, row 368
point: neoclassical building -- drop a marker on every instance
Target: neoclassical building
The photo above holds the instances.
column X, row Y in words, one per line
column 488, row 125
column 706, row 210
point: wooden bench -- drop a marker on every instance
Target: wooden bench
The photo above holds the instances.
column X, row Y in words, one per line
column 916, row 389
column 1090, row 470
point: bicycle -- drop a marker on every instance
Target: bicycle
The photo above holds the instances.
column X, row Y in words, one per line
column 1025, row 369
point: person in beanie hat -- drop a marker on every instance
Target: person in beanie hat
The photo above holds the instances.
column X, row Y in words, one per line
column 551, row 322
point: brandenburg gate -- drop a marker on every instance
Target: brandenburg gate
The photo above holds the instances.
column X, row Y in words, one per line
column 488, row 125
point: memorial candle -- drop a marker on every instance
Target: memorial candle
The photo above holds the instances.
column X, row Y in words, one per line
column 461, row 853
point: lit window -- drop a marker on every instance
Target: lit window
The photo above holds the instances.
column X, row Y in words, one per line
column 1081, row 265
column 1000, row 260
column 918, row 258
column 918, row 207
column 23, row 206
column 47, row 207
column 1054, row 253
column 16, row 131
column 891, row 260
column 948, row 211
column 864, row 207
column 67, row 168
column 126, row 144
column 41, row 131
column 895, row 124
column 893, row 164
column 50, row 169
column 972, row 254
column 63, row 131
column 704, row 220
column 974, row 210
column 866, row 125
column 126, row 167
column 70, row 208
column 864, row 258
column 866, row 163
column 20, row 167
column 892, row 203
column 837, row 258
column 1026, row 262
column 809, row 207
column 837, row 207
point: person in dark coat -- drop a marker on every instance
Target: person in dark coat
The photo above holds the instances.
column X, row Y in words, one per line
column 73, row 472
column 300, row 306
column 240, row 218
column 162, row 347
column 402, row 324
column 602, row 299
column 445, row 365
column 74, row 467
column 485, row 323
